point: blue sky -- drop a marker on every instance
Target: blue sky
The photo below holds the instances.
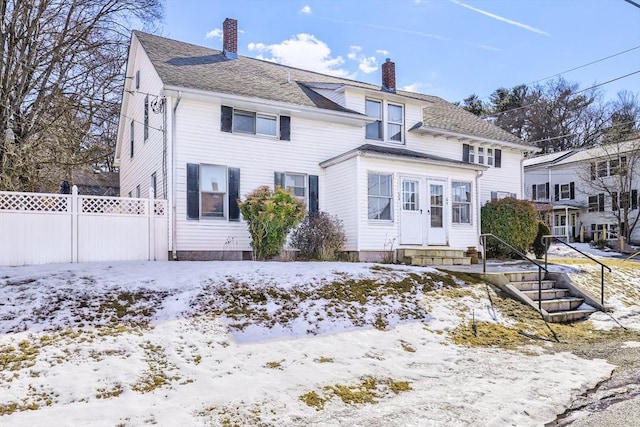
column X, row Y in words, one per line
column 448, row 48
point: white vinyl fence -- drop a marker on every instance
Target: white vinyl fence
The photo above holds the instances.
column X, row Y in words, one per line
column 38, row 228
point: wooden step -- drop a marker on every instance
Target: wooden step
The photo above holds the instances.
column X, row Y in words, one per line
column 531, row 285
column 547, row 294
column 562, row 304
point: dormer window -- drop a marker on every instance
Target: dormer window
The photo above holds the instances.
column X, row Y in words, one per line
column 387, row 127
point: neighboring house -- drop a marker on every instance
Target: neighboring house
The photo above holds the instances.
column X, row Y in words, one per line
column 583, row 191
column 96, row 182
column 400, row 169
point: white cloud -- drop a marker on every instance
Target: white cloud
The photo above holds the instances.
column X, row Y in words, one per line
column 214, row 34
column 500, row 18
column 368, row 64
column 302, row 51
column 415, row 87
column 382, row 52
column 306, row 10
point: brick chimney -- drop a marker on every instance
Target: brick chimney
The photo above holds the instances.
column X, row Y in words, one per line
column 230, row 38
column 389, row 76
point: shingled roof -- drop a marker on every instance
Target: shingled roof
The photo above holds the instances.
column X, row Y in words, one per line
column 184, row 65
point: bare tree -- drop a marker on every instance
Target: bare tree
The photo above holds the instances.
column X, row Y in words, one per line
column 60, row 84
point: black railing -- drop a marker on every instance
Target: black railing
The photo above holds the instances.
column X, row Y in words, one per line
column 483, row 243
column 549, row 238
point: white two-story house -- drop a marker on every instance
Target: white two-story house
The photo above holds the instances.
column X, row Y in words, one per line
column 204, row 127
column 584, row 192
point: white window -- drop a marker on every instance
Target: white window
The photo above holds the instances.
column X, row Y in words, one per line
column 393, row 121
column 380, row 201
column 541, row 192
column 296, row 184
column 373, row 109
column 213, row 188
column 602, row 169
column 565, row 192
column 472, row 154
column 461, row 205
column 266, row 125
column 257, row 124
column 154, row 184
column 480, row 156
column 490, row 156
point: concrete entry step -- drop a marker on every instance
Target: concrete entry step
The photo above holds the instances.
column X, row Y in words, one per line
column 547, row 294
column 533, row 285
column 432, row 256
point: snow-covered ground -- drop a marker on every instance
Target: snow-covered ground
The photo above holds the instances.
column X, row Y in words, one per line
column 247, row 343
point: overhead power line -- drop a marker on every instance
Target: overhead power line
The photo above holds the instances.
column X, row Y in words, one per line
column 585, row 65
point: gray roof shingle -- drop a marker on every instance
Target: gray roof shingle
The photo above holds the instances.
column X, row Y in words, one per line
column 186, row 65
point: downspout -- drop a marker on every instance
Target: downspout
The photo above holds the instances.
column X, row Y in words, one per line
column 478, row 201
column 173, row 179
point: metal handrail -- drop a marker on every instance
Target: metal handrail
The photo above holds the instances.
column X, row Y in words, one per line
column 483, row 243
column 602, row 265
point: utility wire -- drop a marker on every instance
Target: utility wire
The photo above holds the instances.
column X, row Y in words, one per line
column 585, row 65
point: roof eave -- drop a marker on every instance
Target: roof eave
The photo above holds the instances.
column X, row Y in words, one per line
column 386, row 156
column 267, row 106
column 426, row 130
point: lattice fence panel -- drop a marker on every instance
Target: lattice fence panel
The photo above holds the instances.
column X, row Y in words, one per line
column 160, row 207
column 115, row 205
column 25, row 202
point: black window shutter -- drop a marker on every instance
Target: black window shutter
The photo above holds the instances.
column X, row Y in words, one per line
column 593, row 171
column 572, row 191
column 634, row 199
column 601, row 202
column 193, row 191
column 313, row 194
column 465, row 153
column 546, row 187
column 278, row 179
column 234, row 194
column 226, row 118
column 285, row 128
column 534, row 194
column 614, row 201
column 556, row 190
column 498, row 158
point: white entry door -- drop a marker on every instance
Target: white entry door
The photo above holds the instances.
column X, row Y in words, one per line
column 436, row 230
column 411, row 217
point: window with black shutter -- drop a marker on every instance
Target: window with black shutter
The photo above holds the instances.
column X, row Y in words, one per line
column 226, row 120
column 285, row 128
column 193, row 191
column 234, row 194
column 313, row 194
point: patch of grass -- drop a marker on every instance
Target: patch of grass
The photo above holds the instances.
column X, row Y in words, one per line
column 369, row 390
column 158, row 373
column 106, row 393
column 274, row 365
column 324, row 360
column 407, row 347
column 239, row 415
column 363, row 301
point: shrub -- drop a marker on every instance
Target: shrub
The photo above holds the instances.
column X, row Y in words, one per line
column 539, row 248
column 600, row 244
column 512, row 220
column 320, row 236
column 270, row 216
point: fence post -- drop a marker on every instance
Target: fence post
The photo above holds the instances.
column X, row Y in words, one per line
column 74, row 224
column 152, row 222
